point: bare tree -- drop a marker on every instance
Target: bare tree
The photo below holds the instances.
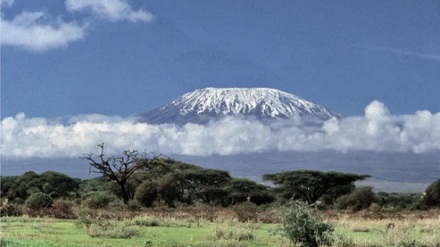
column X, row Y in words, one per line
column 120, row 169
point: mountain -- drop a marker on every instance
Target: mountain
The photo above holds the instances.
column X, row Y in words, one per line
column 203, row 105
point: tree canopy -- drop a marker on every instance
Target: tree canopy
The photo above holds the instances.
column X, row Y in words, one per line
column 310, row 185
column 242, row 189
column 119, row 169
column 52, row 183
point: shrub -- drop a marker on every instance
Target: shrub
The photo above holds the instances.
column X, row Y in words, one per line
column 86, row 216
column 7, row 209
column 141, row 221
column 57, row 184
column 99, row 200
column 361, row 198
column 246, row 211
column 134, row 205
column 221, row 233
column 148, row 243
column 146, row 193
column 38, row 200
column 10, row 210
column 113, row 231
column 98, row 223
column 244, row 236
column 375, row 208
column 432, row 194
column 63, row 209
column 400, row 201
column 116, row 205
column 303, row 226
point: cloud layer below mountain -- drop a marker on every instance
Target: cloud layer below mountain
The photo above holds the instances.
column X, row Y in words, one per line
column 376, row 130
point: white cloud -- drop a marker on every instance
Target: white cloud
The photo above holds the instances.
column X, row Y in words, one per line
column 36, row 32
column 112, row 10
column 6, row 3
column 377, row 130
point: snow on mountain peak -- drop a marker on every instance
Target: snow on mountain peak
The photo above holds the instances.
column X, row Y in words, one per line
column 262, row 103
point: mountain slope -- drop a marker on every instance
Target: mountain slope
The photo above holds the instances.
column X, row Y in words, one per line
column 203, row 105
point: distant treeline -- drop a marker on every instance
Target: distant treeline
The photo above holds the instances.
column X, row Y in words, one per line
column 170, row 183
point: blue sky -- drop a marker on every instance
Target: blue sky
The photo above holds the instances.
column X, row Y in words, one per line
column 74, row 72
column 126, row 57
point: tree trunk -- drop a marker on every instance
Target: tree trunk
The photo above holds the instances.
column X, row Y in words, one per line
column 125, row 196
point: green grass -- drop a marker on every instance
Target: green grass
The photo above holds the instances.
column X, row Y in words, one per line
column 176, row 232
column 170, row 232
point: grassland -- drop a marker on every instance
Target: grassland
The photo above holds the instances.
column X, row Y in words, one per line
column 148, row 230
column 411, row 230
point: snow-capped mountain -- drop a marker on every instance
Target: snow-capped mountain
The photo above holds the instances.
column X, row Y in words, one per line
column 203, row 105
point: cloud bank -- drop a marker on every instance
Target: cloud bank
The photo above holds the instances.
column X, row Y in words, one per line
column 376, row 130
column 38, row 31
column 112, row 10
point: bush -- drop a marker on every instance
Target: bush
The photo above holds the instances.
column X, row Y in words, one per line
column 400, row 201
column 99, row 200
column 141, row 221
column 303, row 226
column 134, row 205
column 375, row 208
column 98, row 223
column 62, row 209
column 146, row 193
column 57, row 184
column 10, row 210
column 38, row 200
column 116, row 206
column 87, row 217
column 432, row 194
column 246, row 211
column 113, row 231
column 361, row 198
column 239, row 235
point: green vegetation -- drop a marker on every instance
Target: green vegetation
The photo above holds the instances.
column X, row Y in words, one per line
column 304, row 227
column 310, row 186
column 178, row 227
column 38, row 200
column 360, row 198
column 141, row 201
column 166, row 231
column 120, row 169
column 55, row 184
column 432, row 194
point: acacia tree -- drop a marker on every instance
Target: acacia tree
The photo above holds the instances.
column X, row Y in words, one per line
column 184, row 183
column 241, row 189
column 194, row 183
column 120, row 169
column 310, row 185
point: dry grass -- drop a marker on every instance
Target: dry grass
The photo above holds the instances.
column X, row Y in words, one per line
column 408, row 230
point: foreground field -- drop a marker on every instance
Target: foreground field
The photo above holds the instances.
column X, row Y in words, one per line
column 408, row 231
column 150, row 230
column 23, row 231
